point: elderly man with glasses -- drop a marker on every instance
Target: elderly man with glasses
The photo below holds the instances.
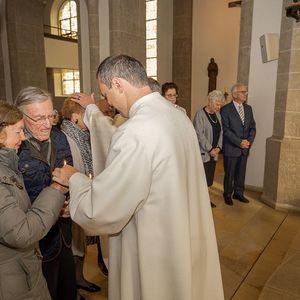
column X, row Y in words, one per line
column 239, row 131
column 44, row 149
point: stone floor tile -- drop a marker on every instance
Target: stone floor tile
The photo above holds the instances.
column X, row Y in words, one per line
column 287, row 276
column 246, row 292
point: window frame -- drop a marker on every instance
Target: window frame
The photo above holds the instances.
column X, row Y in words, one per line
column 150, row 58
column 70, row 33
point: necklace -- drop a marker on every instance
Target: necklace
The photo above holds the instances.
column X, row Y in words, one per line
column 209, row 116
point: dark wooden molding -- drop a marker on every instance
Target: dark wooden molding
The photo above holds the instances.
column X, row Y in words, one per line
column 235, row 4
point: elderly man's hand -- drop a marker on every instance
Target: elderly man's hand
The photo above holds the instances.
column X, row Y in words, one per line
column 62, row 175
column 59, row 187
column 83, row 99
column 245, row 144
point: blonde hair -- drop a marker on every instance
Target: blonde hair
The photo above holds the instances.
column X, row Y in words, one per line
column 70, row 107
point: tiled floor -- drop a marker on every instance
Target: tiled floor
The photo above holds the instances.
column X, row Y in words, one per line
column 93, row 274
column 259, row 250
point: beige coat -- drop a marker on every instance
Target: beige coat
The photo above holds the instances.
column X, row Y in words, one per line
column 153, row 200
column 21, row 227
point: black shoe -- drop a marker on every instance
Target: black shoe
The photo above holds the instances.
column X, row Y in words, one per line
column 92, row 288
column 103, row 268
column 213, row 205
column 241, row 198
column 228, row 200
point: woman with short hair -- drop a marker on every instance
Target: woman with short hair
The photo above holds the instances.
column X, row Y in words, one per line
column 208, row 126
column 169, row 90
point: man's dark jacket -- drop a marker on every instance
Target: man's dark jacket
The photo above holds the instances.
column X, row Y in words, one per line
column 37, row 173
column 234, row 131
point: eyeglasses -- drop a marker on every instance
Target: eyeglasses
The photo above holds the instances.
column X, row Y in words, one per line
column 243, row 92
column 172, row 95
column 41, row 120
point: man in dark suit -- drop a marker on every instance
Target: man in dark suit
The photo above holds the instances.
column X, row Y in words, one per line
column 238, row 135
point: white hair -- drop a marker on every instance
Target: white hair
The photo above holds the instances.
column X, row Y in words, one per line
column 236, row 86
column 30, row 95
column 216, row 95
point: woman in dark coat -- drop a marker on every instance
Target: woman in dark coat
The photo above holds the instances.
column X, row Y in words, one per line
column 22, row 225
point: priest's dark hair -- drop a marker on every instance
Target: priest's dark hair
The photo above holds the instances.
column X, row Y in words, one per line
column 122, row 66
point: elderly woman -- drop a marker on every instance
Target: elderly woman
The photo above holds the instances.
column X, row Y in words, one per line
column 208, row 126
column 79, row 140
column 22, row 225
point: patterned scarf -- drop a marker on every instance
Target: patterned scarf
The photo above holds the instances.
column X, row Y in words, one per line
column 44, row 147
column 82, row 139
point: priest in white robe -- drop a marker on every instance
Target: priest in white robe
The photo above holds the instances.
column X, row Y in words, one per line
column 151, row 198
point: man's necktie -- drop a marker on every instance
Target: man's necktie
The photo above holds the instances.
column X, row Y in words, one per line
column 241, row 113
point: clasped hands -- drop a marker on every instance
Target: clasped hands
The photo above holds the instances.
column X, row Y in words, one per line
column 245, row 144
column 214, row 152
column 60, row 182
column 62, row 175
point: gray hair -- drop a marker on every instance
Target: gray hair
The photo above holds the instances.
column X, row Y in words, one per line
column 30, row 95
column 122, row 66
column 216, row 95
column 154, row 85
column 236, row 86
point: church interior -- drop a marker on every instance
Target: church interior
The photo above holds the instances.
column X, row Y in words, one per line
column 57, row 45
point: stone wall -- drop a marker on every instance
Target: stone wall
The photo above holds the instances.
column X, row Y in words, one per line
column 93, row 24
column 182, row 51
column 26, row 44
column 245, row 41
column 2, row 79
column 282, row 177
column 128, row 28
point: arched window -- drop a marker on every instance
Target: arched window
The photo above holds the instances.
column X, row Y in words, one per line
column 67, row 19
column 151, row 38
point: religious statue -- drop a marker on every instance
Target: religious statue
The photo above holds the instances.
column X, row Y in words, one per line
column 212, row 70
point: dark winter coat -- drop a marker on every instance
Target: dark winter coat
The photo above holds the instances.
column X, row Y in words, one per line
column 37, row 173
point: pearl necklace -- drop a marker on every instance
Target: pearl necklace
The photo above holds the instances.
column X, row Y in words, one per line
column 208, row 114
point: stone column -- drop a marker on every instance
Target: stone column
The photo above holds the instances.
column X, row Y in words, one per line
column 245, row 41
column 182, row 51
column 25, row 34
column 4, row 61
column 128, row 28
column 92, row 44
column 282, row 177
column 2, row 78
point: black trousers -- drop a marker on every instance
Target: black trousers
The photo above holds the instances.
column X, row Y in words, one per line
column 60, row 275
column 234, row 178
column 209, row 168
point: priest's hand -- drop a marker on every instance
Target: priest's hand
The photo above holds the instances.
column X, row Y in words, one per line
column 62, row 175
column 83, row 99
